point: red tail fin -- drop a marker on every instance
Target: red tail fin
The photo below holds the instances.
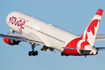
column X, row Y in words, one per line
column 91, row 31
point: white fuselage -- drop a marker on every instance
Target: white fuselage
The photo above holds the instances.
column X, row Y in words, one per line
column 51, row 36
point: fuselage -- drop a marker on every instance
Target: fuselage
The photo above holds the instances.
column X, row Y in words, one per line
column 35, row 31
column 52, row 36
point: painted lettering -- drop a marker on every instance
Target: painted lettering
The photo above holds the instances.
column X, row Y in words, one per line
column 17, row 22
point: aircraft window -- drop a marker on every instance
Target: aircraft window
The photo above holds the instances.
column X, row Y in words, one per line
column 26, row 26
column 55, row 26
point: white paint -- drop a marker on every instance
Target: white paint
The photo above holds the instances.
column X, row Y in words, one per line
column 52, row 36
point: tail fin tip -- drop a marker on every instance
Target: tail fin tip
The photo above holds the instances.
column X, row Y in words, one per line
column 99, row 12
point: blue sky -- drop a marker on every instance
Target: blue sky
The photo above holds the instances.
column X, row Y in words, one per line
column 70, row 15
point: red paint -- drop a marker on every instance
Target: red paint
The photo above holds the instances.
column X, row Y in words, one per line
column 18, row 23
column 92, row 26
column 83, row 44
column 73, row 43
column 6, row 40
column 92, row 53
column 99, row 12
column 24, row 19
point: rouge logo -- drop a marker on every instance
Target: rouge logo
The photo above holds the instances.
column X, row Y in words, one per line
column 17, row 22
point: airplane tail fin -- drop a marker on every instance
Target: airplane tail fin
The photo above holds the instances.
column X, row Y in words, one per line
column 91, row 31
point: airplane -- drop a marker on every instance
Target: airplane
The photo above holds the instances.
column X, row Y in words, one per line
column 29, row 29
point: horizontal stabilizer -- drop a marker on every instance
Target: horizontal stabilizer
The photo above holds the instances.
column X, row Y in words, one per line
column 100, row 37
column 82, row 51
column 100, row 48
column 73, row 48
